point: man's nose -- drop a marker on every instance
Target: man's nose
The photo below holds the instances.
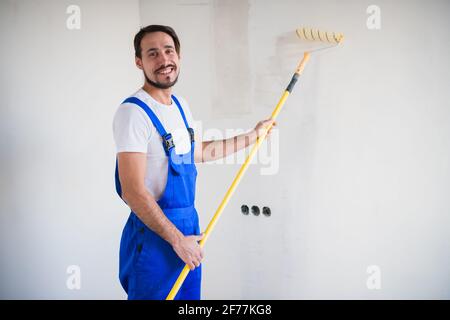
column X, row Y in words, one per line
column 164, row 58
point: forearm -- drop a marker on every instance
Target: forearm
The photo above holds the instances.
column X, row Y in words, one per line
column 147, row 209
column 217, row 149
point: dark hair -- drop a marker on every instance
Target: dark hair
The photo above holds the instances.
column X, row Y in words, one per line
column 154, row 28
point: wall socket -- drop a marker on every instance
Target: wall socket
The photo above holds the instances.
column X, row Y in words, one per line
column 245, row 210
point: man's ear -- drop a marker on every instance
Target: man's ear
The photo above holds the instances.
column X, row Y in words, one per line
column 138, row 62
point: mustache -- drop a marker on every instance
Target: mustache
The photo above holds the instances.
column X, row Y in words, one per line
column 166, row 66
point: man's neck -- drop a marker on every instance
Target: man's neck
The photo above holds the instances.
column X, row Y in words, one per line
column 163, row 96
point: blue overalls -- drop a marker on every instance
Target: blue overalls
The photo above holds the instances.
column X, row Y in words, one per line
column 148, row 265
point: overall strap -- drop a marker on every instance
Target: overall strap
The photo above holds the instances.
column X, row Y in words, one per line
column 167, row 137
column 149, row 112
column 191, row 131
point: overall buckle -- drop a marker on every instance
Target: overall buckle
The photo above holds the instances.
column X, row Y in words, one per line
column 168, row 141
column 191, row 133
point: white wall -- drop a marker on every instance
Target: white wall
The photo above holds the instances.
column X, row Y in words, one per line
column 362, row 149
column 59, row 91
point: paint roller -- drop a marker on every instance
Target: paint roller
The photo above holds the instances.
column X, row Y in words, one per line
column 308, row 36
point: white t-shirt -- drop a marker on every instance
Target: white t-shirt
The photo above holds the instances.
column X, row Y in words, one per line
column 134, row 132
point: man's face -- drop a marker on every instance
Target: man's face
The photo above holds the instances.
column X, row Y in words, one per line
column 160, row 61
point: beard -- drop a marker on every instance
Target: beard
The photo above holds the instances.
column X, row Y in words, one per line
column 160, row 85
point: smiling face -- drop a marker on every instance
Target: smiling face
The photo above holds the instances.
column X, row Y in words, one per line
column 159, row 60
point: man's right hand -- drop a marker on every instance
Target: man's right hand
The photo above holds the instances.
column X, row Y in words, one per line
column 188, row 249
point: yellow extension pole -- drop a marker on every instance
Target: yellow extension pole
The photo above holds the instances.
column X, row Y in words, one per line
column 240, row 174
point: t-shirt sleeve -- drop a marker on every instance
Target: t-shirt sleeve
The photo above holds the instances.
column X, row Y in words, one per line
column 131, row 129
